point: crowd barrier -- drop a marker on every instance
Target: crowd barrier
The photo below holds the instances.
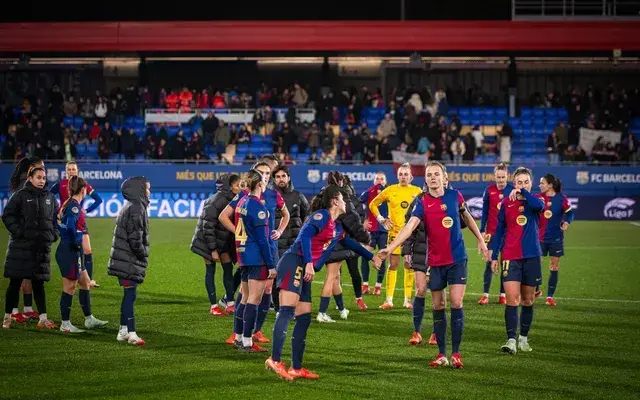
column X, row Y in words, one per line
column 179, row 189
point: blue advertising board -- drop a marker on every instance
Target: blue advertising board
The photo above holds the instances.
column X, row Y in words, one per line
column 179, row 189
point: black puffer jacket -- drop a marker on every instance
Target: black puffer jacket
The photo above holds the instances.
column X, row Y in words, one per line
column 416, row 245
column 210, row 234
column 30, row 217
column 299, row 210
column 129, row 256
column 352, row 224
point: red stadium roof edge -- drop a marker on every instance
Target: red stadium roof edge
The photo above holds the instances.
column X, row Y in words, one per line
column 319, row 36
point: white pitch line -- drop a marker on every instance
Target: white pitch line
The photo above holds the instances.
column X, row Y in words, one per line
column 585, row 247
column 635, row 223
column 596, row 300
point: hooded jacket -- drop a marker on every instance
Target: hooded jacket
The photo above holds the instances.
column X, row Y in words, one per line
column 129, row 256
column 352, row 223
column 30, row 217
column 299, row 210
column 416, row 245
column 210, row 234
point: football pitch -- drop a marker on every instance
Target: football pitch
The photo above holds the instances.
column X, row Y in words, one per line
column 586, row 347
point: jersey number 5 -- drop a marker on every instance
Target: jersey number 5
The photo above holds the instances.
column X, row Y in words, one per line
column 241, row 233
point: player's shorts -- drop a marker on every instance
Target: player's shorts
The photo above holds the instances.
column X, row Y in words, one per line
column 391, row 238
column 379, row 239
column 69, row 262
column 527, row 271
column 127, row 282
column 552, row 249
column 452, row 274
column 291, row 276
column 250, row 272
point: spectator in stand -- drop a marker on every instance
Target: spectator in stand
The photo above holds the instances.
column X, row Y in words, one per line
column 470, row 148
column 202, row 100
column 132, row 101
column 478, row 138
column 103, row 149
column 129, row 144
column 150, row 147
column 357, row 146
column 172, row 101
column 302, row 133
column 178, row 147
column 314, row 138
column 629, row 149
column 146, row 100
column 185, row 98
column 120, row 109
column 115, row 142
column 87, row 110
column 196, row 121
column 458, row 149
column 101, row 111
column 300, row 96
column 219, row 100
column 196, row 146
column 84, row 135
column 553, row 148
column 387, row 127
column 505, row 135
column 162, row 152
column 69, row 107
column 222, row 137
column 95, row 131
column 562, row 133
column 250, row 158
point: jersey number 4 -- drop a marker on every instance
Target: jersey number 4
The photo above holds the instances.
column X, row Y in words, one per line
column 241, row 233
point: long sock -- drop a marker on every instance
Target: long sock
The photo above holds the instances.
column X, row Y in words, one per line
column 210, row 282
column 128, row 306
column 249, row 317
column 440, row 325
column 28, row 299
column 381, row 272
column 238, row 321
column 392, row 277
column 487, row 277
column 511, row 321
column 88, row 264
column 457, row 326
column 40, row 296
column 418, row 313
column 324, row 304
column 263, row 310
column 237, row 277
column 227, row 279
column 275, row 295
column 65, row 306
column 409, row 280
column 356, row 278
column 299, row 339
column 123, row 311
column 553, row 283
column 12, row 295
column 365, row 269
column 526, row 318
column 280, row 327
column 339, row 301
column 85, row 302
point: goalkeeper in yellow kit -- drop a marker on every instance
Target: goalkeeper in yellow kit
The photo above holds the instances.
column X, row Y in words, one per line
column 398, row 198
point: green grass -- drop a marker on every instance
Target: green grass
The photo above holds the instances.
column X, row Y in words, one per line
column 585, row 348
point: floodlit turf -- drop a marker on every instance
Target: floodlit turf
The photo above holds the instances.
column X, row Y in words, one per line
column 584, row 348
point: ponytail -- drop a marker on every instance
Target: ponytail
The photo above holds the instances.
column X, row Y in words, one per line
column 76, row 184
column 555, row 183
column 23, row 167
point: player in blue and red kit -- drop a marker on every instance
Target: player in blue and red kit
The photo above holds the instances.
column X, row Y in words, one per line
column 69, row 258
column 296, row 269
column 62, row 188
column 442, row 210
column 555, row 219
column 379, row 233
column 491, row 202
column 516, row 241
column 274, row 202
column 255, row 259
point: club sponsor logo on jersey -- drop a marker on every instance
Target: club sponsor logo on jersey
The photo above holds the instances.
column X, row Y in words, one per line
column 447, row 222
column 317, row 216
column 404, row 205
column 521, row 220
column 619, row 208
column 75, row 210
column 548, row 214
column 262, row 215
column 521, row 209
column 443, row 207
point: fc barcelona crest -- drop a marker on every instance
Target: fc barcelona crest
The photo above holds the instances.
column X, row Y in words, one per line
column 582, row 177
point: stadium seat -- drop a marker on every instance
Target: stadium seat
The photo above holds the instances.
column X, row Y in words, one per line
column 68, row 121
column 464, row 112
column 526, row 113
column 551, row 112
column 502, row 113
column 514, row 122
column 563, row 114
column 538, row 113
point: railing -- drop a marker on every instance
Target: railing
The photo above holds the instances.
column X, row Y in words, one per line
column 576, row 9
column 228, row 115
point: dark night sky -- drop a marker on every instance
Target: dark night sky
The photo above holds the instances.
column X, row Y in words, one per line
column 24, row 11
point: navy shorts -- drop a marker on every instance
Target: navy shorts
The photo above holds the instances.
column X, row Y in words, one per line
column 552, row 249
column 527, row 271
column 70, row 262
column 250, row 272
column 452, row 274
column 127, row 282
column 378, row 239
column 291, row 277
